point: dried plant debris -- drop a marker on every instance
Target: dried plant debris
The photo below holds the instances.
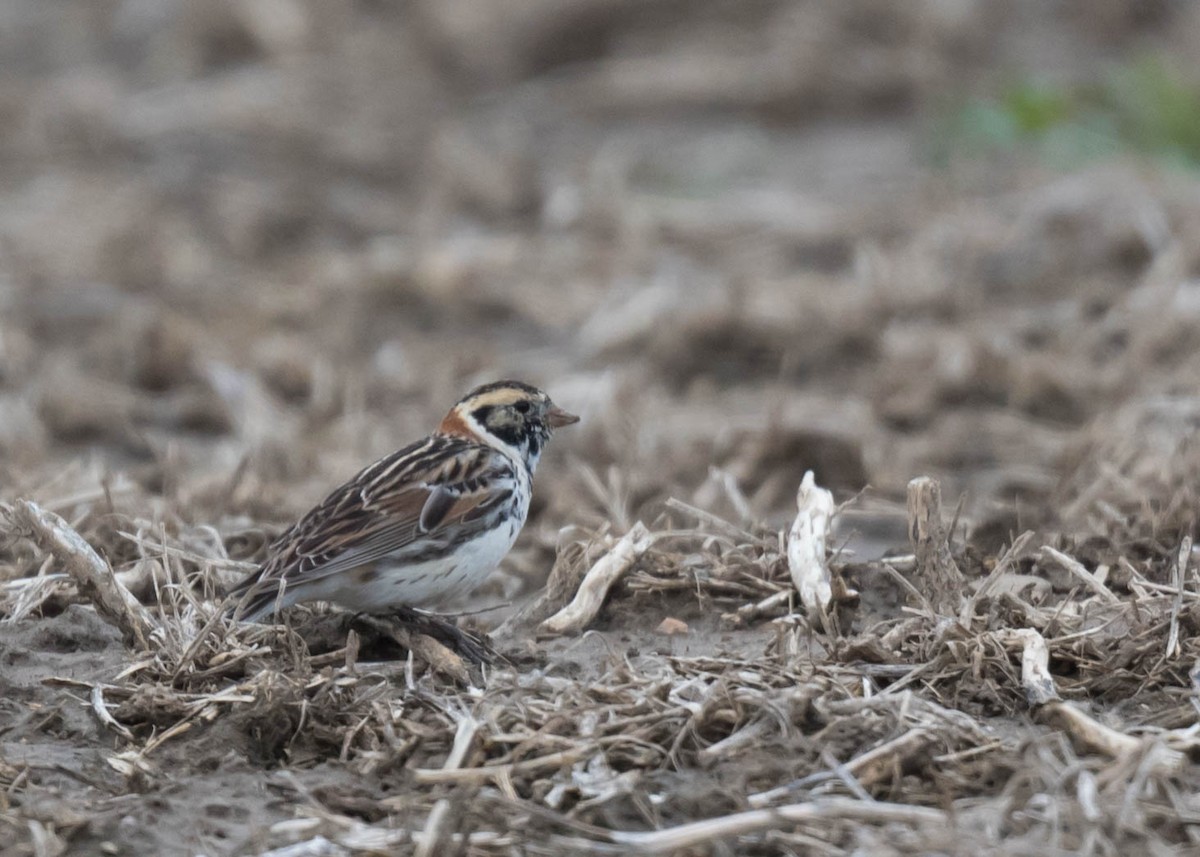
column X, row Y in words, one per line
column 923, row 719
column 1134, row 476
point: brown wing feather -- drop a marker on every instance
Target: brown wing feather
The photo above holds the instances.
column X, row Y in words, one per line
column 413, row 493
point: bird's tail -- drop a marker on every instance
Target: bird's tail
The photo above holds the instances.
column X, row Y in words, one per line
column 254, row 598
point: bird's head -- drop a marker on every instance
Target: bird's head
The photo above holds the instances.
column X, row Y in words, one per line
column 508, row 415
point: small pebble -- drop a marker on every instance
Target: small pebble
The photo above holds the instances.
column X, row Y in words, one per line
column 670, row 627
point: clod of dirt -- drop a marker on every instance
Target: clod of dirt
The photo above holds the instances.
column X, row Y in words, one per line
column 271, row 722
column 670, row 627
column 153, row 705
column 77, row 629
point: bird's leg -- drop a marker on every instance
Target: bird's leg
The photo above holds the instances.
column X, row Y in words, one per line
column 474, row 648
column 466, row 645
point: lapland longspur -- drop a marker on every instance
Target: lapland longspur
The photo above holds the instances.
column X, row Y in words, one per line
column 423, row 524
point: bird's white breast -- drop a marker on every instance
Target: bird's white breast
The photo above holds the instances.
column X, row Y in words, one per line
column 435, row 581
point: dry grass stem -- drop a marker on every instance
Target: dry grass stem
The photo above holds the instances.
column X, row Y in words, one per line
column 1077, row 571
column 753, row 821
column 91, row 574
column 1035, row 667
column 1179, row 575
column 1090, row 733
column 318, row 846
column 747, row 613
column 576, row 616
column 1002, row 567
column 884, row 761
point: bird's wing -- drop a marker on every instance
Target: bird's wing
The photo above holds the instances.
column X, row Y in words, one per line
column 421, row 500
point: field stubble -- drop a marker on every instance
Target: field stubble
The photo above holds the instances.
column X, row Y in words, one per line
column 730, row 305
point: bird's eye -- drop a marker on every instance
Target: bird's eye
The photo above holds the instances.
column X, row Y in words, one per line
column 522, row 407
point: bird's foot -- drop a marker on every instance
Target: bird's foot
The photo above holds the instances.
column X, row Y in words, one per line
column 468, row 646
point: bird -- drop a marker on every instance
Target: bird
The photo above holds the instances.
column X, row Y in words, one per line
column 420, row 526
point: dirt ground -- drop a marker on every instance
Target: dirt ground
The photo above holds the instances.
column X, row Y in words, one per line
column 248, row 247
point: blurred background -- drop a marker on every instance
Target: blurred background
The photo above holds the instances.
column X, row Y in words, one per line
column 246, row 246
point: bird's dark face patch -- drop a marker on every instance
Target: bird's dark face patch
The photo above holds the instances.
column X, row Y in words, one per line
column 515, row 423
column 516, row 415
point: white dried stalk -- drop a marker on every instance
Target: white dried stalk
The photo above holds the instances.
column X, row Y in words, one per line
column 464, row 737
column 877, row 764
column 493, row 773
column 1194, row 675
column 1082, row 727
column 1088, row 796
column 100, row 709
column 806, row 545
column 749, row 612
column 432, row 834
column 1076, row 570
column 318, row 846
column 1035, row 666
column 675, row 839
column 91, row 573
column 26, row 594
column 865, row 770
column 435, row 825
column 588, row 600
column 1093, row 734
column 738, row 742
column 1180, row 572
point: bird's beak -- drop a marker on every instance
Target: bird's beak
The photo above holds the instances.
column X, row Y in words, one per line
column 556, row 417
